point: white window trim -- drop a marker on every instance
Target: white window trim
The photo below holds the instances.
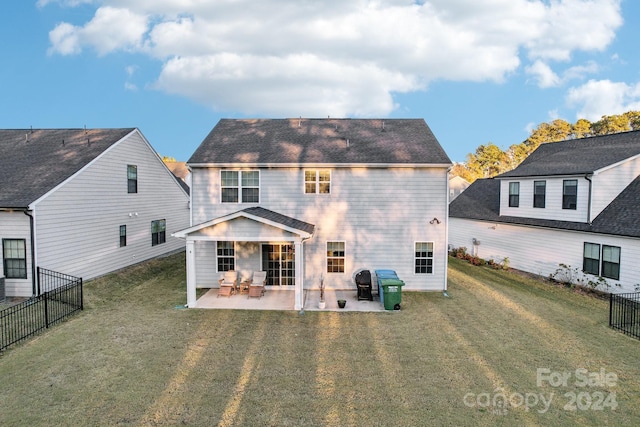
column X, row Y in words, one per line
column 316, row 182
column 235, row 260
column 433, row 258
column 239, row 186
column 344, row 258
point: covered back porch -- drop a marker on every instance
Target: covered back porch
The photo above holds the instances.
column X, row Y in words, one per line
column 253, row 239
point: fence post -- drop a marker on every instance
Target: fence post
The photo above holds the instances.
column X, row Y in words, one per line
column 610, row 310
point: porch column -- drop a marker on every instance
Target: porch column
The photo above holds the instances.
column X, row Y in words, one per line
column 191, row 273
column 299, row 294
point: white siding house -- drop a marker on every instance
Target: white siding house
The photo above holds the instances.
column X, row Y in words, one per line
column 84, row 203
column 318, row 199
column 573, row 202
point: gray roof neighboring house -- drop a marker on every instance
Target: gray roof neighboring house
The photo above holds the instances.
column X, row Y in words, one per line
column 264, row 142
column 34, row 161
column 578, row 156
column 481, row 201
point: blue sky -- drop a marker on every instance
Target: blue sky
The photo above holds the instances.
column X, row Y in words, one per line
column 476, row 71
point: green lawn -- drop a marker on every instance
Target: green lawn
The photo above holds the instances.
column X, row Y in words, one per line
column 132, row 357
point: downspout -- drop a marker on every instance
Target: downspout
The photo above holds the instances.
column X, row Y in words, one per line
column 446, row 233
column 33, row 253
column 588, row 178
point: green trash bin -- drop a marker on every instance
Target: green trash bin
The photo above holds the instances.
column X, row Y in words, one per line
column 392, row 293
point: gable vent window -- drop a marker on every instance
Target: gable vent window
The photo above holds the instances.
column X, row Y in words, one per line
column 514, row 194
column 132, row 179
column 569, row 194
column 240, row 186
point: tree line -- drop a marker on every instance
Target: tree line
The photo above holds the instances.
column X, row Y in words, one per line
column 490, row 160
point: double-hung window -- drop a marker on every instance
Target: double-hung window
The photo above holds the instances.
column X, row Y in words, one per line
column 240, row 186
column 424, row 258
column 539, row 193
column 514, row 194
column 226, row 256
column 605, row 263
column 158, row 232
column 591, row 258
column 132, row 179
column 14, row 255
column 335, row 257
column 569, row 193
column 611, row 262
column 317, row 181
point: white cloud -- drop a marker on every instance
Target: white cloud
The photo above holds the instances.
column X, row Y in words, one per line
column 597, row 98
column 339, row 58
column 543, row 75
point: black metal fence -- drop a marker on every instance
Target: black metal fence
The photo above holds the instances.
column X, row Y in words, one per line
column 60, row 295
column 624, row 313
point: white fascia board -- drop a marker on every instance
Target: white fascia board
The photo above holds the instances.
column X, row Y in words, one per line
column 319, row 165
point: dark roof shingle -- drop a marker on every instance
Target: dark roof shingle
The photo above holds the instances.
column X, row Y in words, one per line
column 32, row 162
column 320, row 141
column 578, row 156
column 481, row 201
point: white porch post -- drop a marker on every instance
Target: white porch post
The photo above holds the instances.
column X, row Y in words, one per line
column 191, row 274
column 299, row 294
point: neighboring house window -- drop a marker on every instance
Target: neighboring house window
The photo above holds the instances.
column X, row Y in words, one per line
column 608, row 266
column 569, row 193
column 539, row 193
column 123, row 236
column 317, row 181
column 240, row 186
column 335, row 257
column 611, row 262
column 158, row 232
column 514, row 194
column 226, row 256
column 591, row 258
column 424, row 258
column 132, row 178
column 14, row 255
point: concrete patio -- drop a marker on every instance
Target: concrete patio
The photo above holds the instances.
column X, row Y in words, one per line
column 282, row 299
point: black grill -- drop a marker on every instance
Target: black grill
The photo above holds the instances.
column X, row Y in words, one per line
column 363, row 283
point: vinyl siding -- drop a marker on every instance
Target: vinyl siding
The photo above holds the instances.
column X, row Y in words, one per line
column 15, row 225
column 608, row 184
column 78, row 224
column 379, row 213
column 540, row 250
column 553, row 201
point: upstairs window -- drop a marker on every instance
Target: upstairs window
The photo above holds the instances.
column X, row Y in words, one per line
column 514, row 194
column 14, row 255
column 539, row 193
column 240, row 186
column 132, row 179
column 424, row 258
column 158, row 232
column 335, row 257
column 317, row 181
column 226, row 256
column 569, row 194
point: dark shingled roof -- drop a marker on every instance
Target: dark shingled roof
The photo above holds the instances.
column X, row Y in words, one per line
column 32, row 162
column 578, row 156
column 320, row 141
column 281, row 219
column 481, row 201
